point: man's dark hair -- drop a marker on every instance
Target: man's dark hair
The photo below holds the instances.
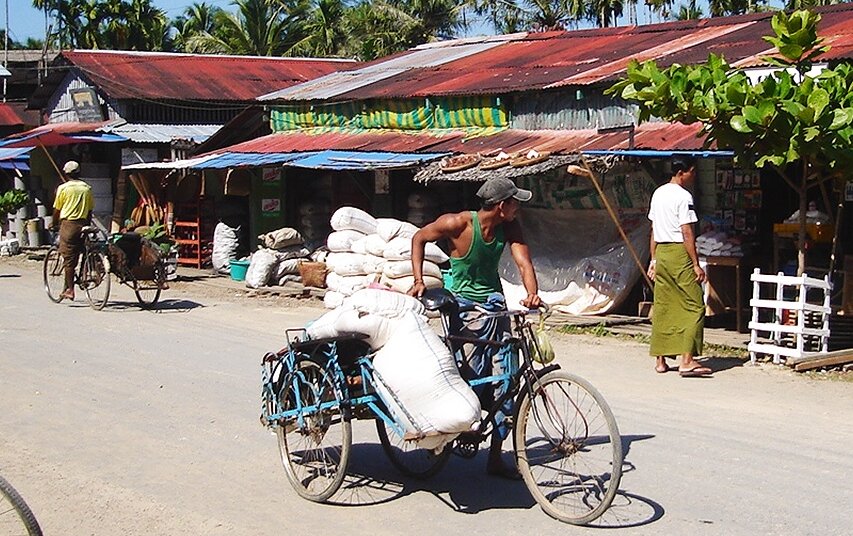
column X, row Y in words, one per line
column 682, row 163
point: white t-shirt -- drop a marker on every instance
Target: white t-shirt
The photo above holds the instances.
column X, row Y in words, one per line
column 671, row 207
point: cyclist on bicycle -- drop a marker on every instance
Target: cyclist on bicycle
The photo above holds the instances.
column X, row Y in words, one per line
column 477, row 240
column 72, row 210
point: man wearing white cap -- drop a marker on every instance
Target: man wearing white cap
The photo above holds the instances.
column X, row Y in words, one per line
column 477, row 240
column 72, row 210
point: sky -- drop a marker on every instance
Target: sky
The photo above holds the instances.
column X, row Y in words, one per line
column 26, row 21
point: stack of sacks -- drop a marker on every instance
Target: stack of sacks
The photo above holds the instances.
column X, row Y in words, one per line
column 364, row 250
column 717, row 244
column 415, row 369
column 314, row 221
column 423, row 207
column 277, row 261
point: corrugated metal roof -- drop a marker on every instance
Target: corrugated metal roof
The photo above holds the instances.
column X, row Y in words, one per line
column 422, row 57
column 165, row 76
column 153, row 133
column 659, row 136
column 525, row 62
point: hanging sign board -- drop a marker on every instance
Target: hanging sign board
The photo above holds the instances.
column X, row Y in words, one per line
column 87, row 105
column 848, row 191
column 271, row 175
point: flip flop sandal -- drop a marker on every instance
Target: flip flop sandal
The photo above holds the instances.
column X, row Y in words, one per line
column 696, row 372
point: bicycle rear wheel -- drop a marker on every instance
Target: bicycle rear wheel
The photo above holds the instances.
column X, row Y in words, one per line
column 568, row 448
column 16, row 518
column 148, row 291
column 54, row 274
column 407, row 457
column 96, row 279
column 315, row 444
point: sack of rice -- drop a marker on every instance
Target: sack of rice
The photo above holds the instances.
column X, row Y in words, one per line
column 354, row 219
column 389, row 228
column 346, row 263
column 395, row 269
column 342, row 240
column 404, row 284
column 400, row 249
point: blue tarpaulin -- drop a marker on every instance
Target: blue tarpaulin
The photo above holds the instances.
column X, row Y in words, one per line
column 15, row 158
column 335, row 160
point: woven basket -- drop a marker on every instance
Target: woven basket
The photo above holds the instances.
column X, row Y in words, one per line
column 313, row 274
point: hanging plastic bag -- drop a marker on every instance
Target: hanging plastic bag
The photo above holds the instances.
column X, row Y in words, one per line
column 543, row 351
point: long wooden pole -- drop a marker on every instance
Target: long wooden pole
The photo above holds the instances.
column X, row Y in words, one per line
column 586, row 170
column 58, row 172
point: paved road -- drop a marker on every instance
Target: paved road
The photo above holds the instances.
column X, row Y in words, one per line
column 138, row 423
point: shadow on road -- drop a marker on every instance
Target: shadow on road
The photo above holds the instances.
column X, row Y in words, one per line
column 9, row 275
column 161, row 307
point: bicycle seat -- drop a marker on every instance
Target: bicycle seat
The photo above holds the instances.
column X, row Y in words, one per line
column 439, row 299
column 89, row 229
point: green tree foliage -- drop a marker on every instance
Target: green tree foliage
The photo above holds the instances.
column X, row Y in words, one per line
column 12, row 200
column 108, row 24
column 795, row 121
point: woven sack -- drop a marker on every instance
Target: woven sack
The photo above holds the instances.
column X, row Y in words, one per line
column 313, row 274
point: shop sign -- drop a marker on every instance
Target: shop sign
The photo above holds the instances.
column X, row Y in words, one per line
column 270, row 207
column 87, row 105
column 271, row 175
column 848, row 191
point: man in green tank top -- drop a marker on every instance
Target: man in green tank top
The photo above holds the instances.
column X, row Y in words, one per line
column 477, row 240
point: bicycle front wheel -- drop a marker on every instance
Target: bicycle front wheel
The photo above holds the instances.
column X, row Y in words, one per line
column 54, row 274
column 148, row 291
column 96, row 279
column 16, row 518
column 568, row 448
column 315, row 442
column 407, row 457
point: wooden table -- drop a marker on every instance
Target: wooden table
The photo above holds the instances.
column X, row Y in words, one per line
column 736, row 263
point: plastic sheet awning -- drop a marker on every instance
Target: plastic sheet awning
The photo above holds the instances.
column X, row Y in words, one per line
column 50, row 138
column 332, row 160
column 15, row 158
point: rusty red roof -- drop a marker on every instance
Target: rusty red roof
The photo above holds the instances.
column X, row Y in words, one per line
column 654, row 136
column 166, row 76
column 533, row 61
column 8, row 116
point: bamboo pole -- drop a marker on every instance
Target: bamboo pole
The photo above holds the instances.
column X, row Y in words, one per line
column 58, row 171
column 585, row 170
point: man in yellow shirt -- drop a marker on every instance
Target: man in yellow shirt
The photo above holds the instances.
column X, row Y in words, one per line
column 72, row 210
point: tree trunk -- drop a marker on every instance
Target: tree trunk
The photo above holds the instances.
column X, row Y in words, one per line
column 801, row 240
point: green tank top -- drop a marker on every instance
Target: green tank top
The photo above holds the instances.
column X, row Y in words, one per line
column 475, row 275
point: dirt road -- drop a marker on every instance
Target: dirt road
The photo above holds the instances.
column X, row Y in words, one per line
column 127, row 422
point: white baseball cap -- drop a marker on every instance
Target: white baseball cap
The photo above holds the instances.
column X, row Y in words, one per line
column 71, row 167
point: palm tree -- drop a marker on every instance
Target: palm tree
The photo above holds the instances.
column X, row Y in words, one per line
column 258, row 28
column 324, row 31
column 689, row 11
column 377, row 29
column 605, row 12
column 196, row 19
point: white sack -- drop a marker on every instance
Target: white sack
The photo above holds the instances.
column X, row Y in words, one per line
column 293, row 252
column 342, row 240
column 354, row 219
column 345, row 284
column 420, row 371
column 346, row 320
column 400, row 249
column 319, row 254
column 281, row 238
column 394, row 269
column 285, row 267
column 260, row 268
column 333, row 299
column 373, row 264
column 287, row 278
column 358, row 246
column 389, row 228
column 403, row 284
column 345, row 263
column 384, row 303
column 225, row 243
column 375, row 245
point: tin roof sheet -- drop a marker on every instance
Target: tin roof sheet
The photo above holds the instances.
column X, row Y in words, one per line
column 531, row 61
column 156, row 133
column 167, row 76
column 658, row 136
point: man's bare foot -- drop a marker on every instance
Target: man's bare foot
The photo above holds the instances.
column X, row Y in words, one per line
column 661, row 366
column 67, row 295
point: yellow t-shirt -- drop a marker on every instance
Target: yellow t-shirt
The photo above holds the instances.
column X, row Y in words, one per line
column 74, row 200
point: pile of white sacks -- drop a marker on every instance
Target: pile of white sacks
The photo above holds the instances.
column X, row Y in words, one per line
column 277, row 261
column 365, row 251
column 417, row 375
column 718, row 244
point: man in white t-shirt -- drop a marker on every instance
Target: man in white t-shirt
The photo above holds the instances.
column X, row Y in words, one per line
column 678, row 314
